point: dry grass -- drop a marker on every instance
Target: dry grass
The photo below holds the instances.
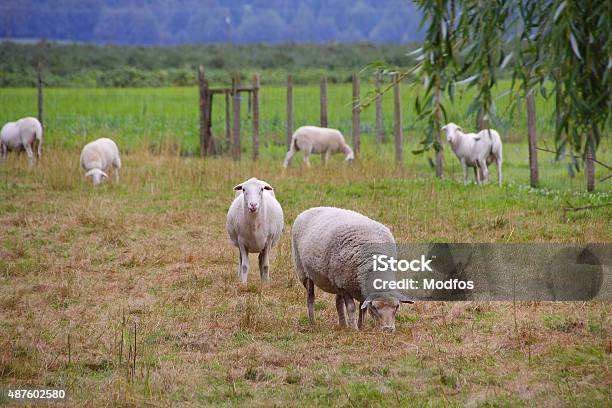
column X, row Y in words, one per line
column 88, row 269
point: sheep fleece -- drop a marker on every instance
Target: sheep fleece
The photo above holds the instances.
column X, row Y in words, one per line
column 334, row 248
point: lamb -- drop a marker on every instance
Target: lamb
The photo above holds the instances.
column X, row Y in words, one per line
column 23, row 134
column 313, row 139
column 333, row 249
column 98, row 157
column 254, row 224
column 476, row 150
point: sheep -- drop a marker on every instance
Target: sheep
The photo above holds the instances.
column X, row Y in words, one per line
column 476, row 150
column 98, row 157
column 254, row 224
column 313, row 139
column 333, row 248
column 22, row 134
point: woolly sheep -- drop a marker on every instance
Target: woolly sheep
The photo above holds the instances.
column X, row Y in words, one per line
column 98, row 157
column 22, row 134
column 476, row 150
column 313, row 139
column 333, row 249
column 254, row 224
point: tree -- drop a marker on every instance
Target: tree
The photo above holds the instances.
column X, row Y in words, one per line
column 564, row 42
column 438, row 68
column 528, row 72
column 579, row 51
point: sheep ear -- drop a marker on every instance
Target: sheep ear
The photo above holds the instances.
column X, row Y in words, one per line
column 459, row 128
column 89, row 173
column 268, row 187
column 443, row 128
column 405, row 299
column 366, row 303
column 104, row 174
column 238, row 187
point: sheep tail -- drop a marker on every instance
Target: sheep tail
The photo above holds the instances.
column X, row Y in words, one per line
column 294, row 144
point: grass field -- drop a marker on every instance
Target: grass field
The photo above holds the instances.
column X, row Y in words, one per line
column 171, row 114
column 86, row 274
column 166, row 119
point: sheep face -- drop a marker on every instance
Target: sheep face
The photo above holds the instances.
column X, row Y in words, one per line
column 350, row 157
column 97, row 176
column 451, row 131
column 252, row 192
column 384, row 309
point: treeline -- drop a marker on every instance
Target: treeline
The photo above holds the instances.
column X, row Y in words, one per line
column 86, row 65
column 172, row 22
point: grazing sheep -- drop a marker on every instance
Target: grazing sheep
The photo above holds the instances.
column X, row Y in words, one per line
column 476, row 150
column 313, row 139
column 254, row 224
column 22, row 134
column 98, row 157
column 333, row 249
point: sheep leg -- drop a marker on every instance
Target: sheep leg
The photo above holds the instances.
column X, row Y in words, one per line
column 310, row 297
column 288, row 156
column 3, row 151
column 484, row 170
column 325, row 156
column 30, row 153
column 340, row 309
column 362, row 315
column 465, row 176
column 264, row 264
column 350, row 310
column 243, row 269
column 39, row 149
column 307, row 158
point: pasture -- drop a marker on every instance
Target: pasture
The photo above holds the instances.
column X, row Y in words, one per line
column 128, row 294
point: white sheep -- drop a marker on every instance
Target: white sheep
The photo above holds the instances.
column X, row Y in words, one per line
column 476, row 150
column 22, row 134
column 313, row 139
column 254, row 224
column 98, row 157
column 333, row 249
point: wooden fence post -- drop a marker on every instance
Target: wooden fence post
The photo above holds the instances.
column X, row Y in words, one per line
column 380, row 130
column 438, row 136
column 236, row 118
column 531, row 137
column 204, row 128
column 40, row 93
column 211, row 147
column 590, row 163
column 323, row 101
column 289, row 110
column 398, row 132
column 356, row 135
column 255, row 116
column 228, row 126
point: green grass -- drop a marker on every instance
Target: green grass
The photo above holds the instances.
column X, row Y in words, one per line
column 132, row 115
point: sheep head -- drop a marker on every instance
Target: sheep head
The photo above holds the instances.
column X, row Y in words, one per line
column 350, row 156
column 451, row 131
column 384, row 308
column 97, row 176
column 252, row 191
